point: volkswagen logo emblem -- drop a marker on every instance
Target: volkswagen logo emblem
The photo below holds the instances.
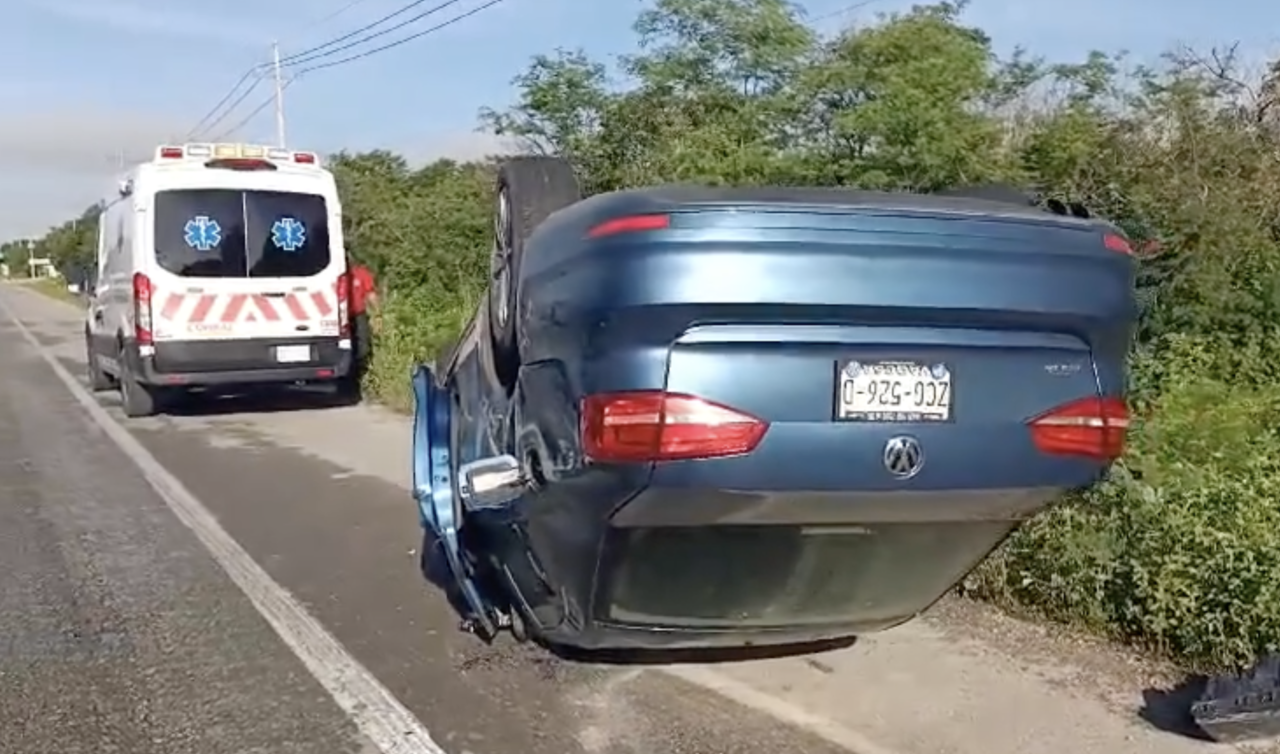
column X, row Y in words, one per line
column 903, row 456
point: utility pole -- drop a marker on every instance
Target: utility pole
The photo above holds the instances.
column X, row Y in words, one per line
column 275, row 59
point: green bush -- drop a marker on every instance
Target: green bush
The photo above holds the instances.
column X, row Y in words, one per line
column 1179, row 549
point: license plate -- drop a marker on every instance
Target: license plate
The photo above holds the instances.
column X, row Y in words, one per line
column 893, row 391
column 293, row 354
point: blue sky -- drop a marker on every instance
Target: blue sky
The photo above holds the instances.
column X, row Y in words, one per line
column 83, row 80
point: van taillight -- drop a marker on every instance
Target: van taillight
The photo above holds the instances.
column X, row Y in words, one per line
column 343, row 289
column 1090, row 427
column 659, row 426
column 142, row 309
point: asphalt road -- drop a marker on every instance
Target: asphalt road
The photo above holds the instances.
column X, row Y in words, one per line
column 121, row 632
column 243, row 578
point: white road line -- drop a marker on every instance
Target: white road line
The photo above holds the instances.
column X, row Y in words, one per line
column 376, row 712
column 707, row 678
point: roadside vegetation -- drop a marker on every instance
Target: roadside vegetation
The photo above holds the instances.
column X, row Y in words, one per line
column 1180, row 550
column 56, row 287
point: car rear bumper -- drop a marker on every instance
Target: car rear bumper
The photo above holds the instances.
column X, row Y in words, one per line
column 238, row 362
column 705, row 568
column 676, row 506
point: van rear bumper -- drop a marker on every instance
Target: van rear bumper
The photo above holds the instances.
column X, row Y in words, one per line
column 237, row 362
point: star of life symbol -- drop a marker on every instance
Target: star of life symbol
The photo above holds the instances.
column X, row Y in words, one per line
column 288, row 234
column 202, row 233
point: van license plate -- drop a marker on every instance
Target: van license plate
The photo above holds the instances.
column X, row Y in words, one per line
column 293, row 354
column 893, row 391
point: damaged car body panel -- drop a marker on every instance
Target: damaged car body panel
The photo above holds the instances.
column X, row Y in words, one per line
column 743, row 417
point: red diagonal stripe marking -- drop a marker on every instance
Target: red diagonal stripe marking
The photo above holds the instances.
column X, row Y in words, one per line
column 171, row 306
column 296, row 308
column 203, row 307
column 264, row 305
column 232, row 312
column 322, row 303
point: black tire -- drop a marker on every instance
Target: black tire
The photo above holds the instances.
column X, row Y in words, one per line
column 99, row 381
column 136, row 399
column 529, row 190
column 348, row 390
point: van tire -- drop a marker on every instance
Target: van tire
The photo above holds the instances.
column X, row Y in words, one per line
column 136, row 399
column 99, row 381
column 528, row 191
column 348, row 390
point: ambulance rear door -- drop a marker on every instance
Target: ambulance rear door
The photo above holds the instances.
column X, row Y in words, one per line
column 247, row 259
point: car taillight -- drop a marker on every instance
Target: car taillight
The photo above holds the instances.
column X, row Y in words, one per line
column 1091, row 427
column 142, row 309
column 632, row 224
column 343, row 289
column 1117, row 243
column 658, row 426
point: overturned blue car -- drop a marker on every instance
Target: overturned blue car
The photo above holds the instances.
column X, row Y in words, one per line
column 690, row 417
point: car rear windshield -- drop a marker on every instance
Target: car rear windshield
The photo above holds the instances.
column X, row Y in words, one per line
column 221, row 233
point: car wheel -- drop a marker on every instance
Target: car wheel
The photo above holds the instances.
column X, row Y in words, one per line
column 529, row 190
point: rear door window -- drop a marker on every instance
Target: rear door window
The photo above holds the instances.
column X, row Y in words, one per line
column 287, row 234
column 221, row 233
column 200, row 233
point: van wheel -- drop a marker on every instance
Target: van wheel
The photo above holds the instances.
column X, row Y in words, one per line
column 348, row 390
column 99, row 381
column 138, row 400
column 529, row 190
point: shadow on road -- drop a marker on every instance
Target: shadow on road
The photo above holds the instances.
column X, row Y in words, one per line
column 267, row 399
column 259, row 400
column 1169, row 710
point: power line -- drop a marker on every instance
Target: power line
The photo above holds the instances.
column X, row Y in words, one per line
column 258, row 71
column 202, row 123
column 231, row 108
column 329, row 17
column 398, row 42
column 336, row 40
column 294, row 60
column 253, row 113
column 851, row 7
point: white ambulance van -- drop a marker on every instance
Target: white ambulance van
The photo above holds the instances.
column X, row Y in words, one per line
column 219, row 265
